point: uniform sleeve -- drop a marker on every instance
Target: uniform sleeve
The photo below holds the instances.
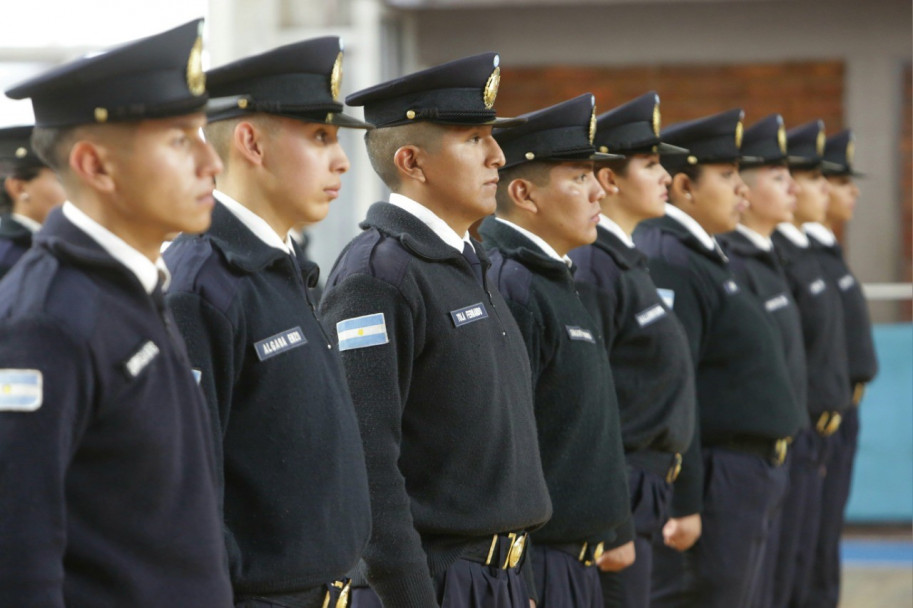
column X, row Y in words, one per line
column 691, row 307
column 211, row 340
column 379, row 378
column 45, row 402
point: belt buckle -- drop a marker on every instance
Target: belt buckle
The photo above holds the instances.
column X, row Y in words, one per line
column 517, row 546
column 834, row 424
column 675, row 469
column 598, row 550
column 858, row 392
column 343, row 600
column 781, row 447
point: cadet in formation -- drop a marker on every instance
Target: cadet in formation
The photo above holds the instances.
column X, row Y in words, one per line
column 548, row 204
column 31, row 188
column 647, row 345
column 292, row 476
column 746, row 408
column 436, row 364
column 104, row 434
column 771, row 198
column 862, row 364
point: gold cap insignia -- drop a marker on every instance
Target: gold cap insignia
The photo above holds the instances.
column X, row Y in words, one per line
column 604, row 149
column 101, row 114
column 410, row 114
column 592, row 132
column 656, row 119
column 491, row 88
column 21, row 152
column 242, row 103
column 822, row 140
column 336, row 77
column 850, row 152
column 739, row 129
column 692, row 160
column 781, row 139
column 196, row 78
column 530, row 156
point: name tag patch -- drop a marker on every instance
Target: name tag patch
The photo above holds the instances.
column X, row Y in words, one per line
column 817, row 286
column 470, row 314
column 139, row 360
column 776, row 303
column 731, row 287
column 281, row 342
column 359, row 332
column 650, row 315
column 20, row 390
column 667, row 296
column 845, row 282
column 579, row 333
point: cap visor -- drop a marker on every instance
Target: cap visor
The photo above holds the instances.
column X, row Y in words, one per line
column 664, row 148
column 506, row 123
column 600, row 156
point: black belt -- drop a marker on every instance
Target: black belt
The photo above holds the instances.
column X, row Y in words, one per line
column 664, row 464
column 828, row 423
column 772, row 450
column 503, row 551
column 585, row 553
column 858, row 392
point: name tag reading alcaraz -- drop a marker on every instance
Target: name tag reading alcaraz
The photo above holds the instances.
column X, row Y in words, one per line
column 281, row 342
column 469, row 314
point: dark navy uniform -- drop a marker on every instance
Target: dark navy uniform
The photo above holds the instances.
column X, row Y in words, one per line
column 649, row 354
column 106, row 462
column 746, row 407
column 444, row 399
column 285, row 428
column 15, row 240
column 102, row 378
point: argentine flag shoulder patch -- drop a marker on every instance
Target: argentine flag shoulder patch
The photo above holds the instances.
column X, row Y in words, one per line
column 360, row 332
column 21, row 390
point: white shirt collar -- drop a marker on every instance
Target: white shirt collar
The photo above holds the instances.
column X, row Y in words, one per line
column 539, row 241
column 759, row 240
column 430, row 219
column 820, row 233
column 27, row 222
column 147, row 272
column 691, row 224
column 256, row 224
column 610, row 225
column 793, row 234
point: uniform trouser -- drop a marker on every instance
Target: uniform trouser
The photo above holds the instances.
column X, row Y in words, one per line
column 311, row 598
column 793, row 545
column 650, row 496
column 466, row 584
column 563, row 581
column 741, row 493
column 825, row 579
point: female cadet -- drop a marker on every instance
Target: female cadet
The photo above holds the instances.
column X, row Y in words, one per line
column 860, row 358
column 746, row 409
column 771, row 199
column 31, row 189
column 647, row 345
column 821, row 312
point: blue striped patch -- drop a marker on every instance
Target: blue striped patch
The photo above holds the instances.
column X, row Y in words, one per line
column 20, row 390
column 360, row 332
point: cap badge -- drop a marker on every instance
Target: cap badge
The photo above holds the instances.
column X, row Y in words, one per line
column 781, row 139
column 819, row 144
column 336, row 77
column 738, row 134
column 491, row 88
column 592, row 131
column 21, row 152
column 656, row 119
column 196, row 78
column 850, row 152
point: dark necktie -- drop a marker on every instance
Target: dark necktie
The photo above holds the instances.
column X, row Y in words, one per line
column 470, row 254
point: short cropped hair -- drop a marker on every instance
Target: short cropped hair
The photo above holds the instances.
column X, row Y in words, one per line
column 53, row 145
column 383, row 143
column 538, row 173
column 219, row 133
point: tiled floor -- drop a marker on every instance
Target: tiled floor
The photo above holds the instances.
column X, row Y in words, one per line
column 878, row 569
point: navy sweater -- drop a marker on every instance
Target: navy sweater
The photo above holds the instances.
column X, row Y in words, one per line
column 444, row 403
column 574, row 391
column 107, row 489
column 743, row 386
column 296, row 505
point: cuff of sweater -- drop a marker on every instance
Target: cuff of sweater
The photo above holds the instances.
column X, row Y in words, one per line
column 408, row 590
column 624, row 533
